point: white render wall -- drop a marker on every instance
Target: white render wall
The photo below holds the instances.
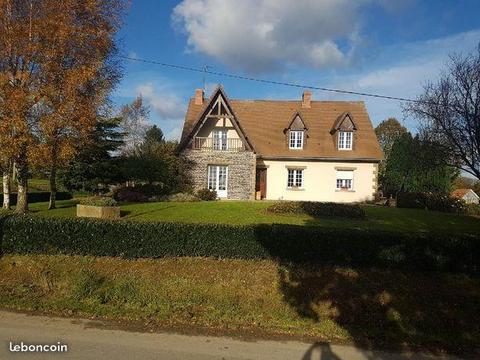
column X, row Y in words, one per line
column 319, row 181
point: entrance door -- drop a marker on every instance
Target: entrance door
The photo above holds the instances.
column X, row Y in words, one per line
column 261, row 182
column 218, row 179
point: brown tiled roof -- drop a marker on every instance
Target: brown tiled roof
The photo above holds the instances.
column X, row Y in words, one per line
column 264, row 122
column 460, row 193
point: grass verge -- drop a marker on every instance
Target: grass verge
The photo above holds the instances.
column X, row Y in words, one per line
column 369, row 308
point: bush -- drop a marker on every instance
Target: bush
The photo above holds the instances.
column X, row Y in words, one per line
column 99, row 201
column 318, row 209
column 430, row 201
column 472, row 209
column 129, row 194
column 180, row 197
column 287, row 243
column 207, row 195
column 150, row 190
column 35, row 197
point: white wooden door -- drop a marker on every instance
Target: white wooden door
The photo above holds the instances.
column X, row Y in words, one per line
column 218, row 179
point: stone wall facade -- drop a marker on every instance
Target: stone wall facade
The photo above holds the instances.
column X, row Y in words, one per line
column 241, row 170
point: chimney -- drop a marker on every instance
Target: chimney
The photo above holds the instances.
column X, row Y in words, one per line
column 306, row 98
column 198, row 97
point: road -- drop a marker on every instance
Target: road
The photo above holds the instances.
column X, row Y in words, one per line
column 86, row 340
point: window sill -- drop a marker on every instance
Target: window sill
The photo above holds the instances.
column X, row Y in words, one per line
column 349, row 191
column 295, row 188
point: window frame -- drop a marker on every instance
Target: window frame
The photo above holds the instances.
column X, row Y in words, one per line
column 344, row 183
column 295, row 178
column 345, row 138
column 220, row 139
column 297, row 139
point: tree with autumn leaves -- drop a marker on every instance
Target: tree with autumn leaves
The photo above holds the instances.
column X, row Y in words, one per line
column 57, row 68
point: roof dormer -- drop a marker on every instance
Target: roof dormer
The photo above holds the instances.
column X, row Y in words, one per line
column 296, row 132
column 343, row 129
column 344, row 123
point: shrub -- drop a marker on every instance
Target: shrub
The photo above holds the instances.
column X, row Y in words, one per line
column 150, row 190
column 472, row 209
column 35, row 197
column 207, row 195
column 430, row 201
column 318, row 209
column 99, row 201
column 129, row 194
column 181, row 197
column 287, row 243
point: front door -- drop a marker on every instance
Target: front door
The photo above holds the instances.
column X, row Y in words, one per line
column 261, row 182
column 218, row 179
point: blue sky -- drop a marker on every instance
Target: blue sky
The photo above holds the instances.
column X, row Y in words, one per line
column 390, row 47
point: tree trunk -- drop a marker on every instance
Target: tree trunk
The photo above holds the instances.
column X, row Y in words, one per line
column 53, row 187
column 22, row 189
column 6, row 189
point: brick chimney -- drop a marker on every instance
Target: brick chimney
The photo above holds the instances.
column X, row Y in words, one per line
column 306, row 99
column 198, row 97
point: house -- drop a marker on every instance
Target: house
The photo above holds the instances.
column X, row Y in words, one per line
column 281, row 150
column 468, row 195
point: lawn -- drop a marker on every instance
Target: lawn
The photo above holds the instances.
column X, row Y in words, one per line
column 253, row 212
column 369, row 308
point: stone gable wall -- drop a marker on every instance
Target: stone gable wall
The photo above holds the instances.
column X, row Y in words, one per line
column 241, row 170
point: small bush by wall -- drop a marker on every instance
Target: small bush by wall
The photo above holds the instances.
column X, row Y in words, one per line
column 289, row 243
column 430, row 201
column 318, row 209
column 206, row 194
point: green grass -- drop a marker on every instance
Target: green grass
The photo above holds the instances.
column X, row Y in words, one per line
column 254, row 212
column 369, row 308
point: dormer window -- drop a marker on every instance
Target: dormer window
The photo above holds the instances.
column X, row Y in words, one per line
column 296, row 133
column 345, row 140
column 343, row 129
column 296, row 139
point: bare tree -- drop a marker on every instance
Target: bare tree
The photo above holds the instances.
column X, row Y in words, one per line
column 134, row 124
column 449, row 111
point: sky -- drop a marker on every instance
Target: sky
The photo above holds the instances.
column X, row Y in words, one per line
column 388, row 47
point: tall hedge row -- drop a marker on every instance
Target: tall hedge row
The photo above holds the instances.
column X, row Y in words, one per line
column 290, row 243
column 35, row 197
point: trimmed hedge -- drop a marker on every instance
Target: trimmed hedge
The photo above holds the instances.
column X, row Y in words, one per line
column 318, row 209
column 35, row 197
column 431, row 201
column 290, row 243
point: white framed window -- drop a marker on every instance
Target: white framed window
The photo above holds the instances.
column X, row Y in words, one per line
column 219, row 139
column 344, row 180
column 345, row 140
column 295, row 178
column 296, row 139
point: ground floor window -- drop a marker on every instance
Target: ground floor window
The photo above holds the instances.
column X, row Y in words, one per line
column 295, row 178
column 217, row 179
column 344, row 180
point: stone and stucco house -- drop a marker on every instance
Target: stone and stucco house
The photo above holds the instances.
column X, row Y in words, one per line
column 281, row 150
column 467, row 195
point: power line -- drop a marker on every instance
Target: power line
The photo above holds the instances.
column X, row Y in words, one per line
column 265, row 81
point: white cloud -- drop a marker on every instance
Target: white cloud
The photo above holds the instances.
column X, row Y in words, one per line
column 261, row 35
column 168, row 108
column 164, row 103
